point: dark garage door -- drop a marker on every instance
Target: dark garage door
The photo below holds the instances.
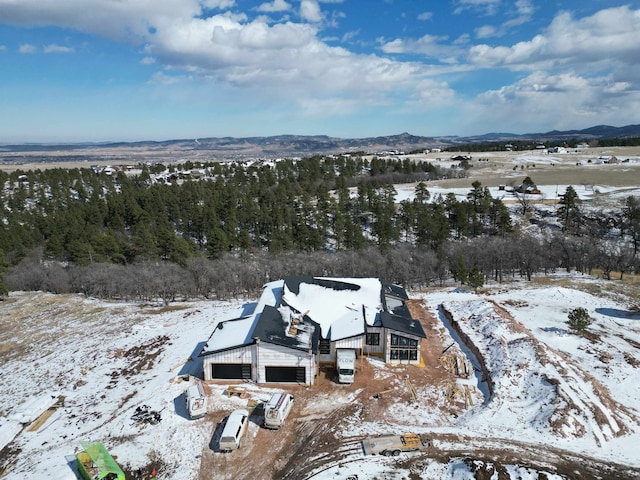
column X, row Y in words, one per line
column 240, row 371
column 285, row 374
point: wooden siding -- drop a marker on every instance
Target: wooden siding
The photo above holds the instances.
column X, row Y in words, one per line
column 270, row 355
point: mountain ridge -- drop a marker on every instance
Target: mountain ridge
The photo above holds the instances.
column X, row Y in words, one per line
column 301, row 145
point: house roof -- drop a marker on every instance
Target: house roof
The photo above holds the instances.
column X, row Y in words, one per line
column 329, row 300
column 239, row 331
column 402, row 324
column 297, row 311
column 285, row 327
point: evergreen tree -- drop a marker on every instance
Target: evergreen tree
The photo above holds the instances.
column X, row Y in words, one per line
column 569, row 211
column 579, row 319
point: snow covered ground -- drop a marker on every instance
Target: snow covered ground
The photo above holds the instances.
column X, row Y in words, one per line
column 554, row 394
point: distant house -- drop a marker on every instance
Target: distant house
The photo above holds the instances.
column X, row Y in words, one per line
column 301, row 322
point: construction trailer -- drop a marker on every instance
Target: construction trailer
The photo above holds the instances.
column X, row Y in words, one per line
column 393, row 445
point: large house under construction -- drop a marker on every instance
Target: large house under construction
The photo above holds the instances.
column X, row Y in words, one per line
column 301, row 322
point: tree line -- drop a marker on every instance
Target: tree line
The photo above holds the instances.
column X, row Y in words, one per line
column 128, row 236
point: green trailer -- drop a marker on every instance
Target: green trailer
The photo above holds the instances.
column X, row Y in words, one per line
column 95, row 463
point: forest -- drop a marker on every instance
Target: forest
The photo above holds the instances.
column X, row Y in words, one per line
column 237, row 226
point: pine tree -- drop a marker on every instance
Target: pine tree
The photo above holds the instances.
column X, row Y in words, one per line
column 579, row 319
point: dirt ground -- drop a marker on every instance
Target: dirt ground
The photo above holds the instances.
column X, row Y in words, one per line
column 285, row 453
column 312, row 439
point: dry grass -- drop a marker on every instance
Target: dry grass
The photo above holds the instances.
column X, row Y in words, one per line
column 628, row 286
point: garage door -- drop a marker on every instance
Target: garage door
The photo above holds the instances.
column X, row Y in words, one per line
column 239, row 371
column 286, row 374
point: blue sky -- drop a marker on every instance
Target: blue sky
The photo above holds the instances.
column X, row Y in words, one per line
column 112, row 70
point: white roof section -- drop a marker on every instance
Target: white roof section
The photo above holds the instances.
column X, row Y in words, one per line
column 349, row 325
column 237, row 332
column 338, row 311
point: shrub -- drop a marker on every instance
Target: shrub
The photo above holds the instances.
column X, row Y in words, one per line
column 579, row 319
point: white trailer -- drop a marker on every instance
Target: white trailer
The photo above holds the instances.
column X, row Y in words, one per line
column 277, row 409
column 393, row 445
column 196, row 400
column 346, row 365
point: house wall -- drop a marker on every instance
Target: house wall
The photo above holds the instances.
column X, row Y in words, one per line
column 352, row 342
column 387, row 354
column 268, row 354
column 242, row 354
column 378, row 350
column 328, row 358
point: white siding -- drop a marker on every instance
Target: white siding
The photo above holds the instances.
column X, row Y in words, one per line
column 353, row 342
column 242, row 354
column 270, row 355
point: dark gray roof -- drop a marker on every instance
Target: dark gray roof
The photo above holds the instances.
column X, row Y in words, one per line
column 271, row 328
column 394, row 290
column 402, row 324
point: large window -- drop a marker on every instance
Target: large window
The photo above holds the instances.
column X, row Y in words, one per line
column 403, row 348
column 324, row 346
column 373, row 338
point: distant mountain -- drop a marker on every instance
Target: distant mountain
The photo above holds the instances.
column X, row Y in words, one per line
column 283, row 145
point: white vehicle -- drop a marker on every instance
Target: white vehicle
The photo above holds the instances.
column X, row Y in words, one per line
column 233, row 431
column 277, row 409
column 346, row 365
column 196, row 400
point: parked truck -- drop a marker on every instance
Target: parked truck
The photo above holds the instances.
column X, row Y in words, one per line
column 393, row 445
column 346, row 364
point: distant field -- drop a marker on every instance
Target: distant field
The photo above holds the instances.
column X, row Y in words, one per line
column 494, row 169
column 554, row 169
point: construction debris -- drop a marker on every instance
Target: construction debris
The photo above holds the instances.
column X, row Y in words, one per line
column 144, row 415
column 412, row 390
column 237, row 391
column 456, row 363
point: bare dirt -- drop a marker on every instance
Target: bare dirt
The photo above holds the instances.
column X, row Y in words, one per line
column 312, row 440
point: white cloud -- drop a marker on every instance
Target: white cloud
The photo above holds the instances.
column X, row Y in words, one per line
column 148, row 61
column 310, row 11
column 427, row 45
column 603, row 38
column 486, row 7
column 3, row 48
column 572, row 100
column 53, row 48
column 27, row 48
column 221, row 4
column 425, row 16
column 485, row 31
column 274, row 6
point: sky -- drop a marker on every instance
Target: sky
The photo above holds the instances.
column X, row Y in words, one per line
column 126, row 70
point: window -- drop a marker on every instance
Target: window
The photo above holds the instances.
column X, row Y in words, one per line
column 373, row 339
column 324, row 346
column 403, row 348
